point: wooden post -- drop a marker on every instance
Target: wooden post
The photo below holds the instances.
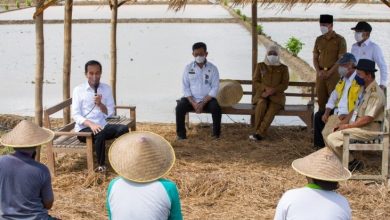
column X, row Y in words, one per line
column 67, row 57
column 254, row 48
column 39, row 44
column 114, row 17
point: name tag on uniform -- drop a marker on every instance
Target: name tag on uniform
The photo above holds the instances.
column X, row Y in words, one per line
column 191, row 72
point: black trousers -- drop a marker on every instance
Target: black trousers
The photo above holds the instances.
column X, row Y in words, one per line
column 99, row 140
column 185, row 106
column 319, row 125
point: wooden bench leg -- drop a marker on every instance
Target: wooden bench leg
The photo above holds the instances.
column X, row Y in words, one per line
column 385, row 159
column 187, row 120
column 345, row 158
column 38, row 153
column 89, row 154
column 50, row 158
column 133, row 117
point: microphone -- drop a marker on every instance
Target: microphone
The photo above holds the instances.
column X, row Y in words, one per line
column 96, row 88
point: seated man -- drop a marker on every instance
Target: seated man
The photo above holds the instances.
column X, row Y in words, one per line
column 270, row 80
column 368, row 114
column 92, row 104
column 345, row 96
column 200, row 87
column 141, row 159
column 25, row 184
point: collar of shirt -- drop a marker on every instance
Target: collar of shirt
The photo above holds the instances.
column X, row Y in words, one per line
column 313, row 186
column 372, row 84
column 351, row 78
column 330, row 35
column 20, row 154
column 194, row 64
column 365, row 43
column 87, row 86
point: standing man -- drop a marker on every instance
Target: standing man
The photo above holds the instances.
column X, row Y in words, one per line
column 25, row 184
column 270, row 80
column 328, row 48
column 345, row 96
column 364, row 48
column 92, row 104
column 368, row 116
column 200, row 87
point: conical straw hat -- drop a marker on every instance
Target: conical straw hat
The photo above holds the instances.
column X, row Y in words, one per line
column 26, row 134
column 322, row 165
column 141, row 156
column 230, row 92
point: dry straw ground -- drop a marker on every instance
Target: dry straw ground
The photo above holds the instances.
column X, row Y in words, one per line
column 230, row 178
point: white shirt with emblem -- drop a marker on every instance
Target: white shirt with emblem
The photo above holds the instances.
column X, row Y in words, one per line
column 83, row 105
column 200, row 82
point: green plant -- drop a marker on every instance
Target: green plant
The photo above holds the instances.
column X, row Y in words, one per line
column 259, row 29
column 238, row 11
column 17, row 4
column 225, row 2
column 243, row 17
column 294, row 45
column 6, row 7
column 28, row 3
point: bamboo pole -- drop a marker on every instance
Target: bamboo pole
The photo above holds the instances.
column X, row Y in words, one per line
column 254, row 47
column 67, row 57
column 114, row 17
column 39, row 71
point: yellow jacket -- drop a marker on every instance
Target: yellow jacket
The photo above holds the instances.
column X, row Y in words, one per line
column 353, row 93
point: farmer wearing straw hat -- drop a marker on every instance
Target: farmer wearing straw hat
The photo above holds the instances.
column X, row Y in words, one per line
column 93, row 103
column 328, row 48
column 140, row 193
column 200, row 87
column 367, row 116
column 318, row 199
column 270, row 80
column 25, row 184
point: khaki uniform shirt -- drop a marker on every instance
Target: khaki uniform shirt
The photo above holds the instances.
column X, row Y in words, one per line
column 271, row 76
column 372, row 104
column 329, row 49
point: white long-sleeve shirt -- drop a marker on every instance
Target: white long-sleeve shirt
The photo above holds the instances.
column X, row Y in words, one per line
column 83, row 105
column 200, row 82
column 342, row 106
column 371, row 51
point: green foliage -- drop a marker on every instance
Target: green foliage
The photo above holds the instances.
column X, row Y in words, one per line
column 28, row 3
column 225, row 2
column 243, row 17
column 17, row 4
column 6, row 150
column 259, row 29
column 238, row 12
column 6, row 7
column 294, row 45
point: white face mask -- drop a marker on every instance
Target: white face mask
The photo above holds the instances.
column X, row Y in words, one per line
column 342, row 71
column 272, row 59
column 358, row 36
column 200, row 59
column 324, row 29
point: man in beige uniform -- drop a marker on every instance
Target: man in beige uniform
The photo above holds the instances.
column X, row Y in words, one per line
column 270, row 80
column 328, row 49
column 368, row 116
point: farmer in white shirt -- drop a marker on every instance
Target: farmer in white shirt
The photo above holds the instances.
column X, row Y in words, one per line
column 140, row 193
column 318, row 199
column 92, row 104
column 200, row 87
column 364, row 48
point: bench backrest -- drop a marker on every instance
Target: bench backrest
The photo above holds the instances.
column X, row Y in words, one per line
column 308, row 89
column 52, row 110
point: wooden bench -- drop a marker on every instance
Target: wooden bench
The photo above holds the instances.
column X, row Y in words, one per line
column 66, row 141
column 303, row 111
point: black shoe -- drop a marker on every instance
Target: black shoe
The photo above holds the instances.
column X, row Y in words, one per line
column 255, row 137
column 355, row 165
column 215, row 136
column 179, row 138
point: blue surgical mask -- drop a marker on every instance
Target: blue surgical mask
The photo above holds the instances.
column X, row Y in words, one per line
column 359, row 80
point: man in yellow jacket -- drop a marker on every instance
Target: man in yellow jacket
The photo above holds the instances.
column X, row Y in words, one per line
column 344, row 97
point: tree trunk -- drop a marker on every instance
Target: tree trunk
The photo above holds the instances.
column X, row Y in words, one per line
column 67, row 57
column 254, row 48
column 39, row 43
column 114, row 16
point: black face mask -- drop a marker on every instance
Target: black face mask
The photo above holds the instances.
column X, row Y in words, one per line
column 359, row 80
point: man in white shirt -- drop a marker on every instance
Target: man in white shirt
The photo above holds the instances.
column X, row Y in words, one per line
column 92, row 104
column 344, row 97
column 200, row 87
column 364, row 48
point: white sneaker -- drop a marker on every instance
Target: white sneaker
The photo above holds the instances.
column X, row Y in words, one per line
column 101, row 169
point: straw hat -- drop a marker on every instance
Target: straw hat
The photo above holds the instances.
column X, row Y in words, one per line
column 230, row 92
column 322, row 165
column 141, row 156
column 27, row 134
